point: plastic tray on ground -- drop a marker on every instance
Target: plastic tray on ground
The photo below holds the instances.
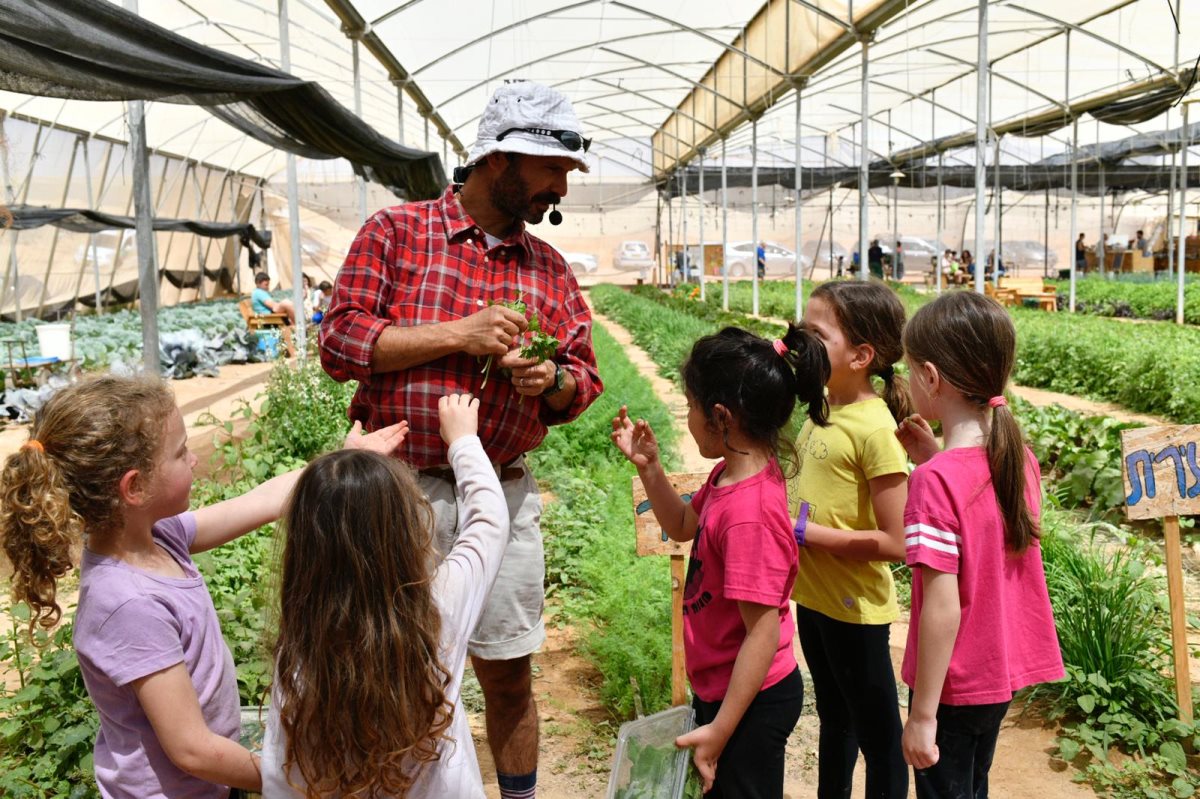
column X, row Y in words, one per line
column 647, row 765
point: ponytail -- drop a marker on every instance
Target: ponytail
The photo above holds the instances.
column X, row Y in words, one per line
column 38, row 528
column 63, row 481
column 1007, row 459
column 808, row 359
column 896, row 394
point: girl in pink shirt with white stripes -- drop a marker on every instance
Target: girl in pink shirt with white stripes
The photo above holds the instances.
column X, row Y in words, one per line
column 982, row 627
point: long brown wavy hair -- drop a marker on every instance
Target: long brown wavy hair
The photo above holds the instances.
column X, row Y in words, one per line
column 972, row 342
column 360, row 687
column 90, row 434
column 868, row 312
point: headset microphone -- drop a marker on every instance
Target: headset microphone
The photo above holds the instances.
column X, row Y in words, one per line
column 555, row 216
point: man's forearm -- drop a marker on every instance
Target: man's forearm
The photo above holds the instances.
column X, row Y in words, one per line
column 401, row 348
column 561, row 400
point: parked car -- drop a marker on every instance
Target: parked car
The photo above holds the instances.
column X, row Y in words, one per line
column 820, row 250
column 1027, row 256
column 633, row 256
column 579, row 261
column 781, row 262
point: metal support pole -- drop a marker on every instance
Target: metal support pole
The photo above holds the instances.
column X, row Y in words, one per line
column 685, row 270
column 1171, row 210
column 1181, row 258
column 724, row 231
column 1100, row 248
column 937, row 264
column 864, row 178
column 754, row 209
column 1074, row 208
column 143, row 209
column 998, row 206
column 981, row 111
column 358, row 112
column 799, row 230
column 700, row 205
column 399, row 107
column 91, row 198
column 293, row 193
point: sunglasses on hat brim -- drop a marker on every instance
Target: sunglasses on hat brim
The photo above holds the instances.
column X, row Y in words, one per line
column 567, row 138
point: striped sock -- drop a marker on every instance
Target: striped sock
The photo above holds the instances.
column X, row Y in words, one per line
column 517, row 786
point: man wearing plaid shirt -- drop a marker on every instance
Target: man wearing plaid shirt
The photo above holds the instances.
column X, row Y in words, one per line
column 412, row 320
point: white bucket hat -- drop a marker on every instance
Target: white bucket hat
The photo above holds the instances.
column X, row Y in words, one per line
column 528, row 118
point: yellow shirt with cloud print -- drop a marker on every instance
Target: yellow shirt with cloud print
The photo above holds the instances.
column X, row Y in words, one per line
column 836, row 463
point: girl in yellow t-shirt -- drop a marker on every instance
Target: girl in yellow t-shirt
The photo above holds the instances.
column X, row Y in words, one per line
column 849, row 497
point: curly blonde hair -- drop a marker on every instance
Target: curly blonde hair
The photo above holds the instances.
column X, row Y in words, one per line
column 53, row 491
column 359, row 684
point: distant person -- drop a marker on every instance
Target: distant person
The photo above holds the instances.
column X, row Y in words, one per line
column 840, row 265
column 1080, row 255
column 898, row 263
column 320, row 300
column 1142, row 244
column 261, row 301
column 875, row 259
column 760, row 256
column 981, row 625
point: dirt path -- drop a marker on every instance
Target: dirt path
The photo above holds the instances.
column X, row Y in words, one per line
column 1023, row 765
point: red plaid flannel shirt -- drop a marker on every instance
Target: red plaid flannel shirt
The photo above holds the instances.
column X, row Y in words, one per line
column 427, row 262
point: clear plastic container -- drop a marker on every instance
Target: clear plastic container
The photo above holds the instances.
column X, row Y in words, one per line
column 254, row 727
column 647, row 765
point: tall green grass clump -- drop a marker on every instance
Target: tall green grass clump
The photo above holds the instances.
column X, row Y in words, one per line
column 1112, row 617
column 589, row 537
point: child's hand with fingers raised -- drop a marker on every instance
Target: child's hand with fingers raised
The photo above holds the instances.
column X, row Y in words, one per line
column 459, row 416
column 635, row 440
column 384, row 441
column 917, row 438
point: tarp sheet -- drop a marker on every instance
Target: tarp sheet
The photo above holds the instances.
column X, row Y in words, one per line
column 88, row 50
column 82, row 220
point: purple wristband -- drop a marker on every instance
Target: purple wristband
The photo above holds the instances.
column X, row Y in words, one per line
column 801, row 524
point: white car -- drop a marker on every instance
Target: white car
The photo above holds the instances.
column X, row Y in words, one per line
column 781, row 262
column 579, row 261
column 633, row 256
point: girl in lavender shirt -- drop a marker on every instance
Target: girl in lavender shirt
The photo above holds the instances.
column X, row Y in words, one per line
column 107, row 461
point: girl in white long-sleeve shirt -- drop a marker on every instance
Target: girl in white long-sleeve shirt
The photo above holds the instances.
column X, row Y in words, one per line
column 373, row 630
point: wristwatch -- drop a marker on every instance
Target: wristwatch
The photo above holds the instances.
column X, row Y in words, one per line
column 560, row 381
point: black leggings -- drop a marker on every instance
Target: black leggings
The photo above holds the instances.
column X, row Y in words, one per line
column 857, row 703
column 751, row 765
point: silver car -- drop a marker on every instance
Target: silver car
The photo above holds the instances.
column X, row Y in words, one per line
column 633, row 256
column 740, row 259
column 579, row 261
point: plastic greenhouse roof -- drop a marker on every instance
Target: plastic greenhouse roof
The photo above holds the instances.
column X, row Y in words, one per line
column 629, row 65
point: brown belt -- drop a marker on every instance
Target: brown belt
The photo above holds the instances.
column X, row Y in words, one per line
column 506, row 473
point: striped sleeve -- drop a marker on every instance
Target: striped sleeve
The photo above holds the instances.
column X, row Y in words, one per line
column 931, row 530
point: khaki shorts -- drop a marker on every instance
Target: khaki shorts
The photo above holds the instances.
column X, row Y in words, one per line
column 511, row 625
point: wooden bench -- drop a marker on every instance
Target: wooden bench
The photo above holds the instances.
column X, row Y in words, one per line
column 267, row 321
column 1019, row 289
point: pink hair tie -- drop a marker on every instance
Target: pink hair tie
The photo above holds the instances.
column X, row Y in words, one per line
column 996, row 402
column 780, row 347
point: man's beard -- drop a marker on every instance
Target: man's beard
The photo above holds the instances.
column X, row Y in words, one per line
column 510, row 195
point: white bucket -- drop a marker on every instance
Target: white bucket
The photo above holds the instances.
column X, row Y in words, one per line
column 54, row 340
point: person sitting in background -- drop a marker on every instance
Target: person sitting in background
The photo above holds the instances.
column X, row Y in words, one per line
column 261, row 301
column 1141, row 244
column 320, row 300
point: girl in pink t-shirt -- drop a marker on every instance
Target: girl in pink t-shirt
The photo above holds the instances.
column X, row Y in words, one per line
column 741, row 391
column 981, row 625
column 107, row 462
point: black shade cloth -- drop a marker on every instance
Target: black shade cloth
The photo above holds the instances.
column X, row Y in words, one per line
column 95, row 50
column 80, row 220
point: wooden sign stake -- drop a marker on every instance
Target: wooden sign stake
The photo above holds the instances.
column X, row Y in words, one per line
column 651, row 540
column 1179, row 644
column 1161, row 472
